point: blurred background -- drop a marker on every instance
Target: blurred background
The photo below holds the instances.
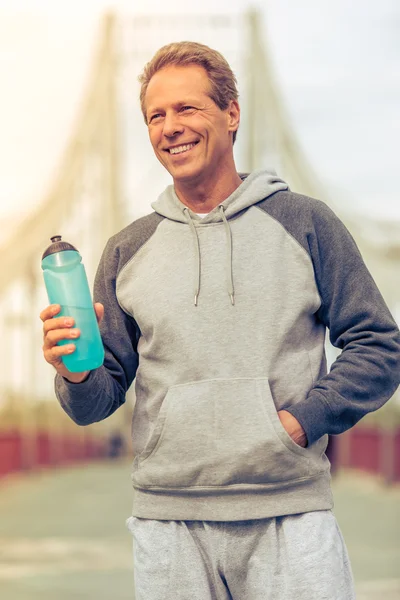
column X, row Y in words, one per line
column 319, row 86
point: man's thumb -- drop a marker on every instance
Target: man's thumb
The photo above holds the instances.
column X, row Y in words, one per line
column 99, row 310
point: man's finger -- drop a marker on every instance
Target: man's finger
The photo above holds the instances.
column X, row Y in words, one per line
column 49, row 312
column 99, row 310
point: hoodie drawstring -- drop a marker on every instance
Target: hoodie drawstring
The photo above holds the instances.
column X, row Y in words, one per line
column 197, row 252
column 193, row 228
column 231, row 290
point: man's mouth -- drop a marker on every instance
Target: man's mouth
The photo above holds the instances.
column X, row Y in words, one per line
column 181, row 149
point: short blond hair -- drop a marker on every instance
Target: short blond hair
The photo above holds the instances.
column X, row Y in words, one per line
column 222, row 79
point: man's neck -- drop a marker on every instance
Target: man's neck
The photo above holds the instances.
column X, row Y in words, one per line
column 202, row 197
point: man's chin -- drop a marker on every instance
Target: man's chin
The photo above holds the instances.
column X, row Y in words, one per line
column 186, row 175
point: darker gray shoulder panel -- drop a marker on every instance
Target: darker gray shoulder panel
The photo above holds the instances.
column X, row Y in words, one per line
column 301, row 216
column 319, row 231
column 125, row 244
column 333, row 252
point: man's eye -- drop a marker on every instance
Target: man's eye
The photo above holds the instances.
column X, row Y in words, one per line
column 155, row 116
column 185, row 108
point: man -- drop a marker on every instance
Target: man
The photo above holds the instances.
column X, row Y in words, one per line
column 217, row 305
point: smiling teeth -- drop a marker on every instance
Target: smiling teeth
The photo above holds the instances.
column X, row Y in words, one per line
column 180, row 149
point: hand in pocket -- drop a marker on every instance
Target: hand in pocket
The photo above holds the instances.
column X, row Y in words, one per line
column 293, row 428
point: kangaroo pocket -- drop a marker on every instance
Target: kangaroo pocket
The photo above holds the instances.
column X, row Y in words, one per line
column 217, row 433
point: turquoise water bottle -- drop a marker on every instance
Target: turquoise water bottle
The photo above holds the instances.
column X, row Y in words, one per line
column 67, row 285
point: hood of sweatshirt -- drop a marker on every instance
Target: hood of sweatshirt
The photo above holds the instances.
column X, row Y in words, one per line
column 255, row 187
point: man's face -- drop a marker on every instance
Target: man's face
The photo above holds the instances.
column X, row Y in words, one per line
column 191, row 136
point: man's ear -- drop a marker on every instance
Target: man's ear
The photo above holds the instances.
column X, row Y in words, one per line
column 233, row 112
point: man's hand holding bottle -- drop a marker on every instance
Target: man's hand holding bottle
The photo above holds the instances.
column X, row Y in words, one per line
column 56, row 329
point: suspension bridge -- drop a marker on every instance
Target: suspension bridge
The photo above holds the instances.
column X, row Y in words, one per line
column 106, row 171
column 107, row 177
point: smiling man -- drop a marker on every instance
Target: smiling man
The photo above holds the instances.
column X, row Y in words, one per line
column 217, row 304
column 191, row 135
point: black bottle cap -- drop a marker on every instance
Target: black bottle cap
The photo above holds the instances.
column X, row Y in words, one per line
column 57, row 246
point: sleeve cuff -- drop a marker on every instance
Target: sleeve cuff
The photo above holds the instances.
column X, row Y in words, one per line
column 314, row 415
column 77, row 389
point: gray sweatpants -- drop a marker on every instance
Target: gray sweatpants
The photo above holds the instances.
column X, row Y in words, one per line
column 296, row 557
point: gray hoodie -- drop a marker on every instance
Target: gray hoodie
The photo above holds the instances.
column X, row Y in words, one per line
column 221, row 321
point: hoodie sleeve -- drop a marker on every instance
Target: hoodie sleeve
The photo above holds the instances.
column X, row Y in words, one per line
column 104, row 390
column 367, row 372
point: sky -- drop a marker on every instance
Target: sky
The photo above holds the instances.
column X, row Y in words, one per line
column 337, row 64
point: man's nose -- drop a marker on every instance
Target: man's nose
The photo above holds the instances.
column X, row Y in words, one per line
column 172, row 125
